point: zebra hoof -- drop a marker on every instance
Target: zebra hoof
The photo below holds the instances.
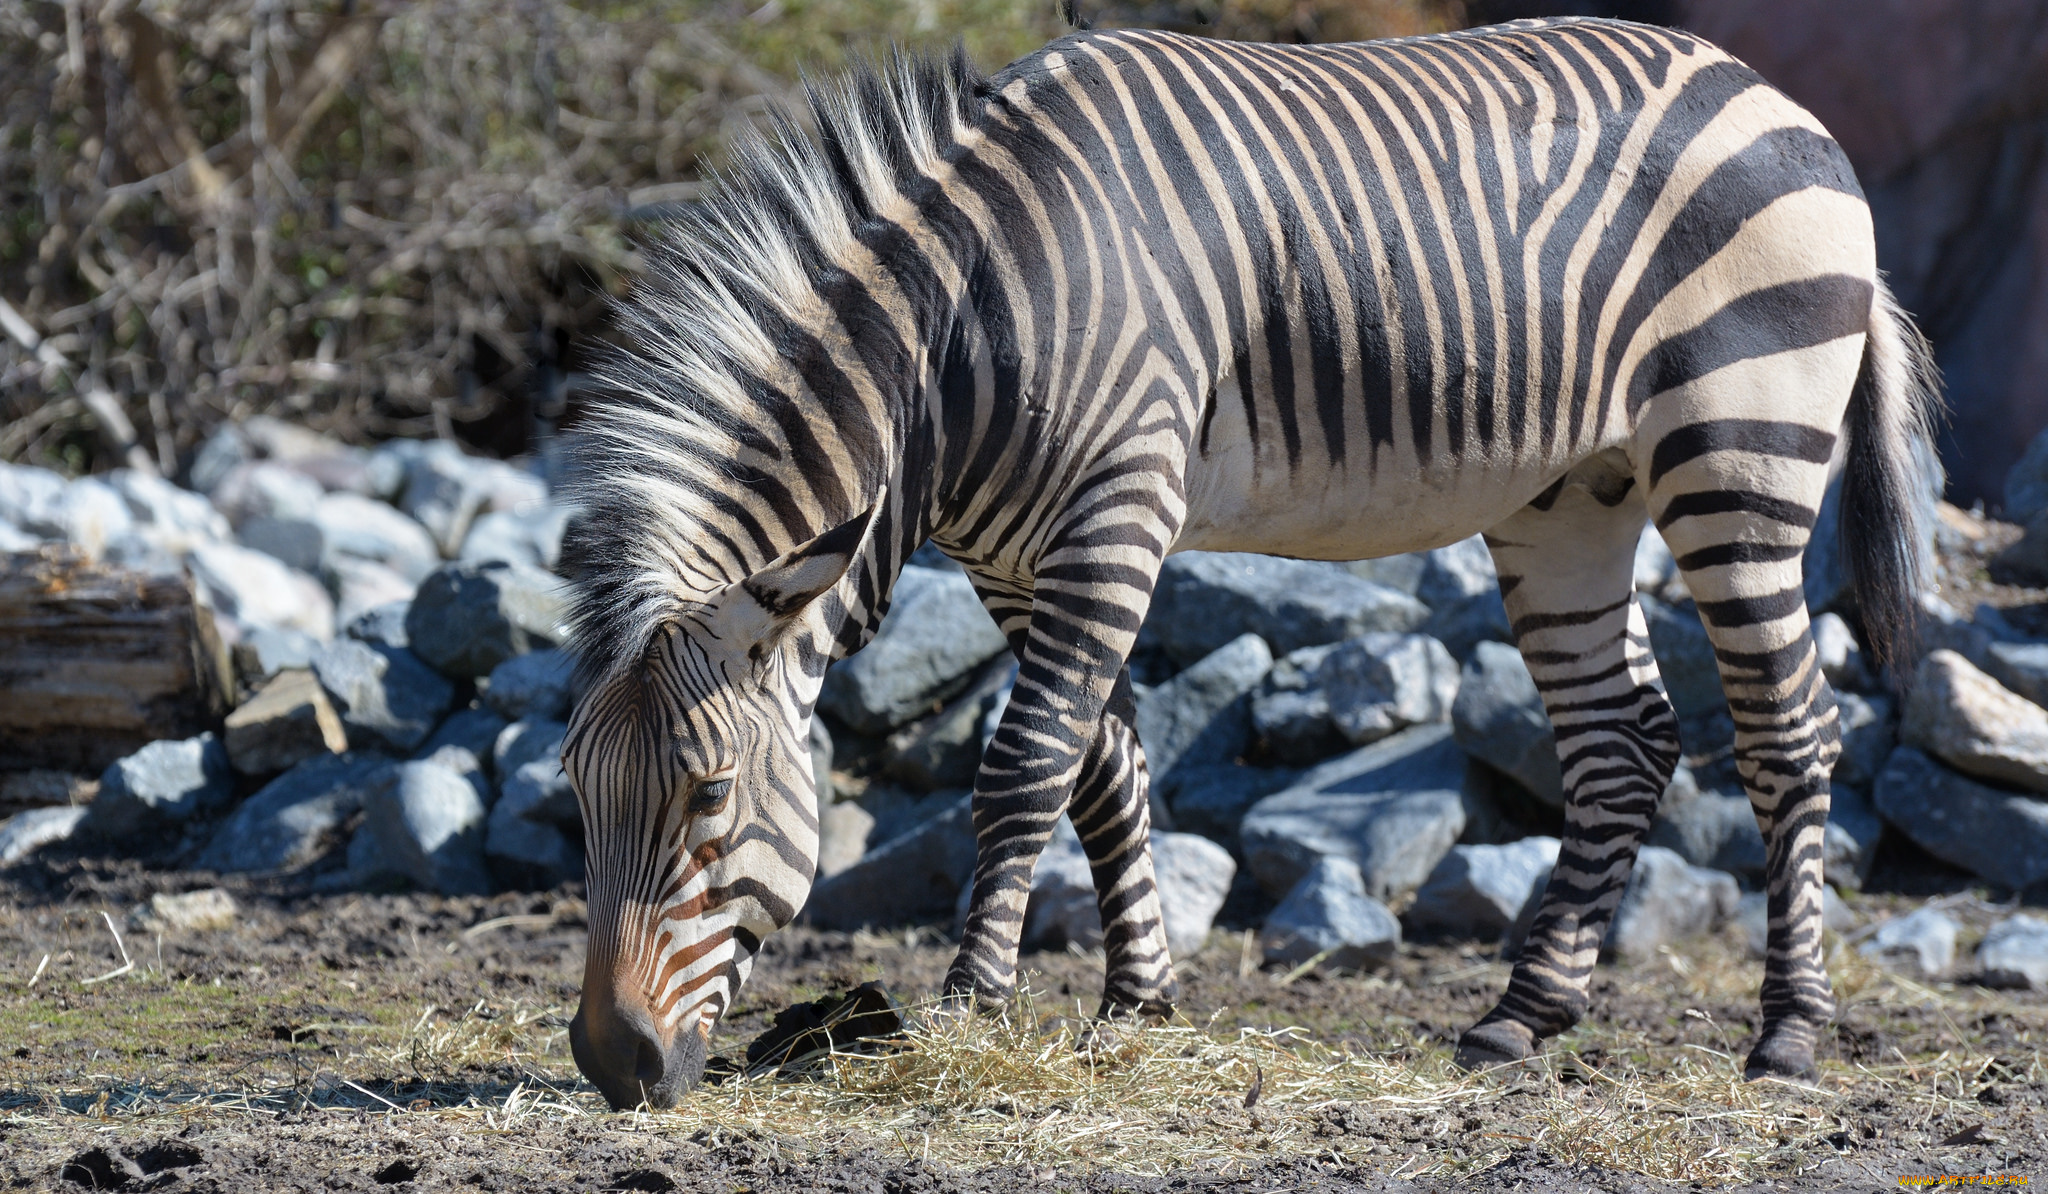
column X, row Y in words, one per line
column 1503, row 1042
column 1783, row 1060
column 1151, row 1012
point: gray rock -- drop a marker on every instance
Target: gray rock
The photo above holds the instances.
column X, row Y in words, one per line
column 13, row 538
column 1328, row 913
column 1868, row 737
column 1685, row 658
column 29, row 498
column 525, row 742
column 353, row 527
column 1318, row 701
column 1402, row 573
column 382, row 625
column 1192, row 874
column 158, row 789
column 1753, row 915
column 1205, row 599
column 2026, row 561
column 294, row 542
column 361, row 586
column 1715, row 830
column 385, row 695
column 441, row 492
column 475, row 730
column 540, row 791
column 265, row 489
column 935, row 636
column 843, row 829
column 227, row 447
column 297, row 817
column 444, row 490
column 1202, row 715
column 532, row 536
column 1498, row 717
column 26, row 832
column 1393, row 808
column 255, row 589
column 1975, row 724
column 1943, row 627
column 1922, row 942
column 532, row 685
column 264, row 651
column 944, row 751
column 2026, row 483
column 468, row 618
column 911, row 879
column 177, row 519
column 1462, row 591
column 1212, row 799
column 1998, row 835
column 423, row 824
column 209, row 909
column 2014, row 953
column 534, row 839
column 1478, row 891
column 1841, row 656
column 288, row 721
column 2021, row 667
column 1668, row 899
column 1850, row 844
column 89, row 515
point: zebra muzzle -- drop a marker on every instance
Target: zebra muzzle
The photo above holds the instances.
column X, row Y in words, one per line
column 620, row 1049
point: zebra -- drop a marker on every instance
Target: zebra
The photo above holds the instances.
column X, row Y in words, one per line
column 1140, row 293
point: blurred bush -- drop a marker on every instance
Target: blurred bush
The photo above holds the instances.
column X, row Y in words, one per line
column 373, row 217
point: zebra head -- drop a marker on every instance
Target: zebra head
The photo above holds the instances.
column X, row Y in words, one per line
column 691, row 763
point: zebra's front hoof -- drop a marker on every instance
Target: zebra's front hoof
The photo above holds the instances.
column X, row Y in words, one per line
column 1150, row 1012
column 1502, row 1042
column 1783, row 1059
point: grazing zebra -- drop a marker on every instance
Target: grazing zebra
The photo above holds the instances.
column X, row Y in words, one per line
column 1142, row 293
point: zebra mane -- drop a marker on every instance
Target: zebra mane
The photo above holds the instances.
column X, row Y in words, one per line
column 702, row 388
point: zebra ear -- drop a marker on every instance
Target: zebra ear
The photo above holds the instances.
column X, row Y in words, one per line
column 805, row 573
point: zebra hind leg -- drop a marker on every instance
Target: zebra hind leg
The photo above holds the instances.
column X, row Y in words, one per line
column 1748, row 584
column 1566, row 566
column 1112, row 813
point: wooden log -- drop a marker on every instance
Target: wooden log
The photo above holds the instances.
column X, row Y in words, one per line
column 96, row 661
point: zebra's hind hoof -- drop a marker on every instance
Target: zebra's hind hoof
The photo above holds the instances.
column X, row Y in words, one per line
column 1503, row 1042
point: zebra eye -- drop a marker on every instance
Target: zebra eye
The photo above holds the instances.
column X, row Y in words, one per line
column 709, row 796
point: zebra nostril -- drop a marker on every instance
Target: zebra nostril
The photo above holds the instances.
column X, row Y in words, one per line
column 650, row 1065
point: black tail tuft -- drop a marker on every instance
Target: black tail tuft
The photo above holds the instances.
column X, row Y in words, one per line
column 1885, row 480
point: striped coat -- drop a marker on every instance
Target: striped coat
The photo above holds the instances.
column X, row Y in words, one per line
column 1142, row 293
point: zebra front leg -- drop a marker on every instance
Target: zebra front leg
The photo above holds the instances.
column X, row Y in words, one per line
column 1566, row 566
column 1112, row 812
column 1048, row 735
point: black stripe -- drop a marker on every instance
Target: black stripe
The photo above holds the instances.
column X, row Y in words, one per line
column 1764, row 437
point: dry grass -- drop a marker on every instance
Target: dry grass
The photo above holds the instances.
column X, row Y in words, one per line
column 1015, row 1089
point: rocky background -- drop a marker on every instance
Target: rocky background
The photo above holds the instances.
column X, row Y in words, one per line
column 1342, row 755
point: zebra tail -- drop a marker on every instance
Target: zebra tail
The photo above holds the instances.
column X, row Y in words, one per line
column 1885, row 513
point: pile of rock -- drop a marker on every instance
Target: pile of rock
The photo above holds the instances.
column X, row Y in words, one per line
column 395, row 629
column 1353, row 748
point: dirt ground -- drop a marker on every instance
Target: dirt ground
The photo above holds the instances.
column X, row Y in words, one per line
column 354, row 1041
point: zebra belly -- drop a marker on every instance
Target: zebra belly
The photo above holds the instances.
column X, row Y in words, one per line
column 1241, row 498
